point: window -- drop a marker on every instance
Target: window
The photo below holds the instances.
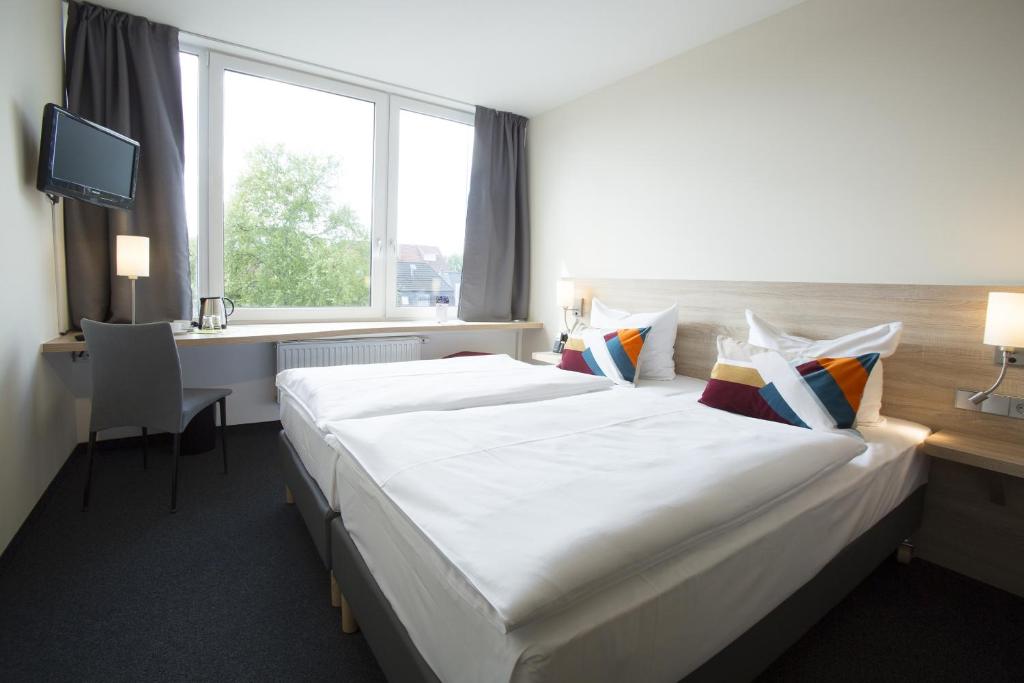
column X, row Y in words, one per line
column 325, row 200
column 435, row 149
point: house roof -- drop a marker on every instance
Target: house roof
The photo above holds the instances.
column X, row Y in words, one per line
column 419, row 276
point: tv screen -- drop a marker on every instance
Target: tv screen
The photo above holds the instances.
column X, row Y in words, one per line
column 83, row 160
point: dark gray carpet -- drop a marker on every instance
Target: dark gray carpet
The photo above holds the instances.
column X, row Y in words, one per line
column 230, row 588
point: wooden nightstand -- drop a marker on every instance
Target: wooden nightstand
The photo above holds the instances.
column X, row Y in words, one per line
column 973, row 520
column 547, row 357
column 977, row 451
column 981, row 452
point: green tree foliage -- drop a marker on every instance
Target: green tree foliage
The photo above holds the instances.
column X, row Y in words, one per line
column 286, row 243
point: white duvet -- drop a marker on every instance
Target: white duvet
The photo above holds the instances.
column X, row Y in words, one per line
column 530, row 507
column 353, row 391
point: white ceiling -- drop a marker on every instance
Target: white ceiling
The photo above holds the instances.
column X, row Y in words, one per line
column 525, row 56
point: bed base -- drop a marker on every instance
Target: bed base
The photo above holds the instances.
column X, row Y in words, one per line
column 302, row 492
column 741, row 660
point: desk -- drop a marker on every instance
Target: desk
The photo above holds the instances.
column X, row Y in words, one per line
column 239, row 333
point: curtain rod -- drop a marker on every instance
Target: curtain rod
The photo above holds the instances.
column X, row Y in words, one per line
column 344, row 74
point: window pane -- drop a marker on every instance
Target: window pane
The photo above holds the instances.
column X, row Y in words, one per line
column 434, row 162
column 190, row 111
column 298, row 192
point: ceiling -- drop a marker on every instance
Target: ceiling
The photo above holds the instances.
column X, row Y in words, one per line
column 525, row 56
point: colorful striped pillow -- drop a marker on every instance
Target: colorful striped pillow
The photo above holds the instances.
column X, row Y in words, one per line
column 614, row 354
column 824, row 393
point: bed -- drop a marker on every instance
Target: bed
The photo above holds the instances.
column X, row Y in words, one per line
column 310, row 397
column 661, row 622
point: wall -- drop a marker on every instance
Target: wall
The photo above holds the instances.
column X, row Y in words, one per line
column 36, row 422
column 869, row 141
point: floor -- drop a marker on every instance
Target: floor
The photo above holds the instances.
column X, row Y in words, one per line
column 230, row 588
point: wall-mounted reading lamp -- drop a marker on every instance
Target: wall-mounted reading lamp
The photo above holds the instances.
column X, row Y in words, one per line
column 569, row 304
column 1004, row 327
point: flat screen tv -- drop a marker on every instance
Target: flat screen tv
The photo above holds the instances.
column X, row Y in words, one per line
column 83, row 160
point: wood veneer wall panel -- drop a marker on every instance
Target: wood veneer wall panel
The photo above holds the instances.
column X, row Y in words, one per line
column 940, row 352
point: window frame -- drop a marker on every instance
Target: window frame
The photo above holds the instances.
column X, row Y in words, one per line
column 393, row 310
column 213, row 62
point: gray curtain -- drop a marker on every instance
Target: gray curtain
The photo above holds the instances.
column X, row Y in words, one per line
column 496, row 259
column 123, row 73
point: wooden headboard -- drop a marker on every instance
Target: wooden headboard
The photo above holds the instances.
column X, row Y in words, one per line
column 941, row 348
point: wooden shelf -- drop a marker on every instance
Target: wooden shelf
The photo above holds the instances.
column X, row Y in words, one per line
column 977, row 451
column 238, row 333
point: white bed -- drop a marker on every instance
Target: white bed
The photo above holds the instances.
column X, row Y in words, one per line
column 660, row 623
column 311, row 397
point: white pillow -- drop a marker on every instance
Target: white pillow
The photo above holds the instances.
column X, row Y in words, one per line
column 881, row 339
column 656, row 357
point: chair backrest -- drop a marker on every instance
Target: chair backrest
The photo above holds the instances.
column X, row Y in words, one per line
column 136, row 376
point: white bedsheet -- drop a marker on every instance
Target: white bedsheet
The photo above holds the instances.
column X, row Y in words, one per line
column 532, row 506
column 311, row 397
column 661, row 623
column 344, row 392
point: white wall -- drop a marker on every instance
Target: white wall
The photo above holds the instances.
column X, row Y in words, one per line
column 868, row 141
column 36, row 412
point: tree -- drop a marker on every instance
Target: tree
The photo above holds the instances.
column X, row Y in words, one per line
column 455, row 263
column 285, row 241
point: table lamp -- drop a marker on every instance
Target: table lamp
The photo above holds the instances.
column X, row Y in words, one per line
column 1004, row 327
column 132, row 260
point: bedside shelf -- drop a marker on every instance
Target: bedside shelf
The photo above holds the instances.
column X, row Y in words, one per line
column 988, row 454
column 548, row 357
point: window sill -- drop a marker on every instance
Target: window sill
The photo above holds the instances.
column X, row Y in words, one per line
column 244, row 333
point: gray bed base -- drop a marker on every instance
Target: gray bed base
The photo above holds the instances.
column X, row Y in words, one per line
column 313, row 507
column 741, row 660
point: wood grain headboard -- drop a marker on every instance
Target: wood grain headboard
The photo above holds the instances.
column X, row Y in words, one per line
column 941, row 348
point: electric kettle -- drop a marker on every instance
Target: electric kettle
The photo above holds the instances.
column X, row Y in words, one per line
column 214, row 305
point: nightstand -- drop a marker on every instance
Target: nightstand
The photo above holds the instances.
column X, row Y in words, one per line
column 547, row 357
column 993, row 455
column 973, row 520
column 977, row 451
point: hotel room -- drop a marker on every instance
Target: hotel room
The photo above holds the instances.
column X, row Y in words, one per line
column 579, row 340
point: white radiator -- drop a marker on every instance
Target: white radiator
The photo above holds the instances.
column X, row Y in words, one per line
column 325, row 352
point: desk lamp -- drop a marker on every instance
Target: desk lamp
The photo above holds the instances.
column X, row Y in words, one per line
column 132, row 260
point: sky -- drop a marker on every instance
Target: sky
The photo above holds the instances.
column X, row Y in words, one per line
column 434, row 153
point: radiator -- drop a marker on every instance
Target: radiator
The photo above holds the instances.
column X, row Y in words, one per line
column 325, row 352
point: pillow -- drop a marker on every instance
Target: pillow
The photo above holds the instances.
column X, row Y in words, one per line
column 881, row 339
column 823, row 393
column 657, row 354
column 614, row 354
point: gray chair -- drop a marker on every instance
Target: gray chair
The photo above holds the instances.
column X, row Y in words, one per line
column 136, row 382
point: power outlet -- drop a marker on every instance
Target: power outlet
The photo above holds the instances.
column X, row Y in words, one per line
column 1017, row 408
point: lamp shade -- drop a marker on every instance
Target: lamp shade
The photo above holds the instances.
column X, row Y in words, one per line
column 566, row 294
column 132, row 256
column 1004, row 321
